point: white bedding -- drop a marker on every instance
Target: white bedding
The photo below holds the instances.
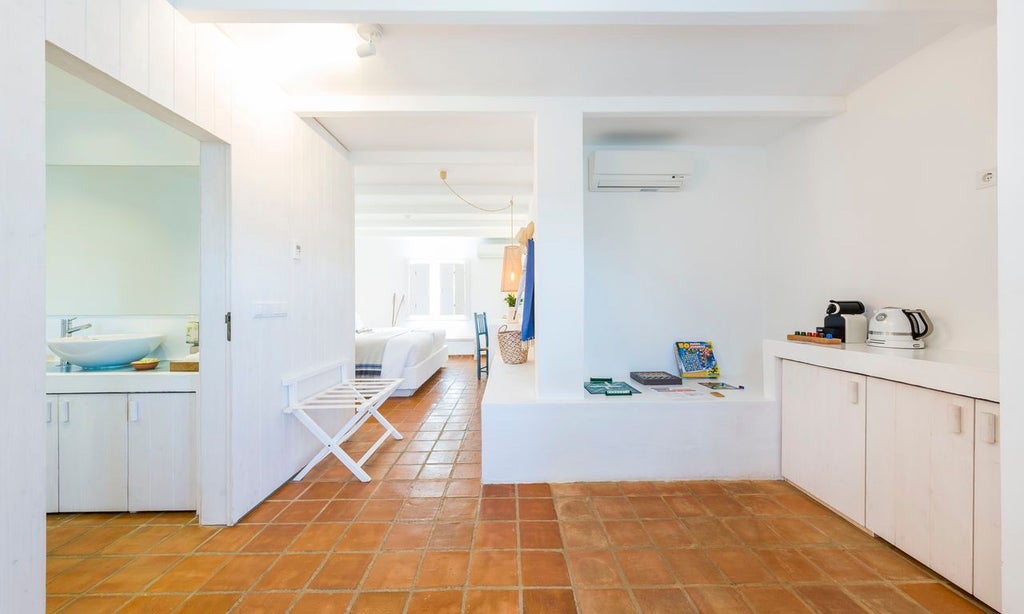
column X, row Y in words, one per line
column 405, row 347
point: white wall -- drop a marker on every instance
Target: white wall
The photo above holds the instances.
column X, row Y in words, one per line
column 122, row 240
column 287, row 184
column 382, row 269
column 1011, row 295
column 879, row 204
column 679, row 266
column 22, row 308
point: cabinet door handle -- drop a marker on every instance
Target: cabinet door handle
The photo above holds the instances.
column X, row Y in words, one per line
column 133, row 411
column 854, row 393
column 65, row 411
column 49, row 412
column 956, row 414
column 991, row 427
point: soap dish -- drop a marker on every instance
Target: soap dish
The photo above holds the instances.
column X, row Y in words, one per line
column 146, row 364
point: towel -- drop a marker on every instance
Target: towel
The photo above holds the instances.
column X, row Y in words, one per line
column 528, row 317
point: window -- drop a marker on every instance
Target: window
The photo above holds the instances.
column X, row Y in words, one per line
column 437, row 290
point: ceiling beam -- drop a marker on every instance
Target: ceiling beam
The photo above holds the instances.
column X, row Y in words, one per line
column 437, row 189
column 586, row 12
column 434, row 158
column 596, row 106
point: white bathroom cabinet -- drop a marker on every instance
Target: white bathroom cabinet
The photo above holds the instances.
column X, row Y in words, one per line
column 987, row 523
column 823, row 435
column 52, row 484
column 161, row 452
column 120, row 452
column 92, row 472
column 920, row 475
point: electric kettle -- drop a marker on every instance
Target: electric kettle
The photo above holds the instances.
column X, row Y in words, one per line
column 895, row 327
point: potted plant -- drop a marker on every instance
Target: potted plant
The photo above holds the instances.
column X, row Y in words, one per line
column 510, row 300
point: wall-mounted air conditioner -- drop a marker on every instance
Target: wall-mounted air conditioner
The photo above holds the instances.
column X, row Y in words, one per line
column 638, row 171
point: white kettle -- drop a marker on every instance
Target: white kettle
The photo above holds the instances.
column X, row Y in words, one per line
column 895, row 327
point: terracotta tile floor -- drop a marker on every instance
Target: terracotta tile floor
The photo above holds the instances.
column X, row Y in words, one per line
column 424, row 536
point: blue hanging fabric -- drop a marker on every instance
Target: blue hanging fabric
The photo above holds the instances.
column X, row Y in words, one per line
column 528, row 318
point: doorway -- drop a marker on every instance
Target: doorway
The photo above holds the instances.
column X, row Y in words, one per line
column 139, row 238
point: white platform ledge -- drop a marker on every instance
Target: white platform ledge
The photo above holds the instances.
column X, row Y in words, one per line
column 650, row 436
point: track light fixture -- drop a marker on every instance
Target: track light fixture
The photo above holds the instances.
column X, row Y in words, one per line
column 371, row 33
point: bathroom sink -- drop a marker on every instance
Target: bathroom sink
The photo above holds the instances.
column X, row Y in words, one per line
column 102, row 351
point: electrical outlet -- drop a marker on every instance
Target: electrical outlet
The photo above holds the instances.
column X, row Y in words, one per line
column 985, row 179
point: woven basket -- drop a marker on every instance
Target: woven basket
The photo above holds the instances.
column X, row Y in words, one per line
column 513, row 350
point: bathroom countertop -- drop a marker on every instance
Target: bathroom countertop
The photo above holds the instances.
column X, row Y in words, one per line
column 121, row 379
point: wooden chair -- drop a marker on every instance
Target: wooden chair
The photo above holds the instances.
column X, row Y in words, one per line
column 483, row 346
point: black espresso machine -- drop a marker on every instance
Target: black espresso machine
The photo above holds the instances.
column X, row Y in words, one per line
column 845, row 320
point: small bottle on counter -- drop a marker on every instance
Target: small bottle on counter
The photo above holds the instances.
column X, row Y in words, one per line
column 192, row 334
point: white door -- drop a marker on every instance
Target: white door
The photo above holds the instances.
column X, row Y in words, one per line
column 920, row 475
column 52, row 460
column 162, row 452
column 93, row 453
column 823, row 435
column 987, row 519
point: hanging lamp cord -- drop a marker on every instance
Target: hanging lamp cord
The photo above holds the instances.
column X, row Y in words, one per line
column 444, row 180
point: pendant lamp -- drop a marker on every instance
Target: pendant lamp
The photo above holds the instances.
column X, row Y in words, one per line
column 512, row 263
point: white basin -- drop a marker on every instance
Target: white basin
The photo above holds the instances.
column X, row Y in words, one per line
column 99, row 351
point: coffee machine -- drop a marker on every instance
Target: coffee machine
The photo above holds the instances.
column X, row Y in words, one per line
column 845, row 320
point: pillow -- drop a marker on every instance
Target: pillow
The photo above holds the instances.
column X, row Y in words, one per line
column 359, row 323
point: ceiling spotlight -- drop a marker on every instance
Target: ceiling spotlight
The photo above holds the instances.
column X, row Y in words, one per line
column 371, row 33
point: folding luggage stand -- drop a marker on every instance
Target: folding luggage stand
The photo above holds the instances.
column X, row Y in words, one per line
column 361, row 396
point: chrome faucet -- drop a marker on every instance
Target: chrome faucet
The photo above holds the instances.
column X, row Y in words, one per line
column 66, row 330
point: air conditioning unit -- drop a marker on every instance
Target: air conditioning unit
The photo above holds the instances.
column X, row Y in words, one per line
column 638, row 171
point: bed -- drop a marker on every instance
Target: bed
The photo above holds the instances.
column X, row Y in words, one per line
column 411, row 354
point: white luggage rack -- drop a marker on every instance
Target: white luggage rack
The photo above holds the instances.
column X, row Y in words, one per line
column 361, row 396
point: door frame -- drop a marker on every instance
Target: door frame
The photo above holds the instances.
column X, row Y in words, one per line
column 214, row 395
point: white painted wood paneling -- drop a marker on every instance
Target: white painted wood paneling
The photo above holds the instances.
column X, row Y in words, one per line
column 93, row 452
column 102, row 35
column 920, row 481
column 823, row 413
column 206, row 72
column 285, row 182
column 22, row 308
column 987, row 513
column 161, row 52
column 184, row 67
column 135, row 44
column 52, row 458
column 223, row 86
column 1011, row 294
column 162, row 452
column 65, row 25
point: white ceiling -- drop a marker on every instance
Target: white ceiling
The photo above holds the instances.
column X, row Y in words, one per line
column 504, row 48
column 502, row 60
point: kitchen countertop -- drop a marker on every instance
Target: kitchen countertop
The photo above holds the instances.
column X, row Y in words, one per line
column 964, row 373
column 121, row 379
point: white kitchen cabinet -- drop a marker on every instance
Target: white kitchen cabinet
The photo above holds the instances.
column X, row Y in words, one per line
column 987, row 517
column 161, row 452
column 920, row 475
column 92, row 452
column 823, row 413
column 52, row 460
